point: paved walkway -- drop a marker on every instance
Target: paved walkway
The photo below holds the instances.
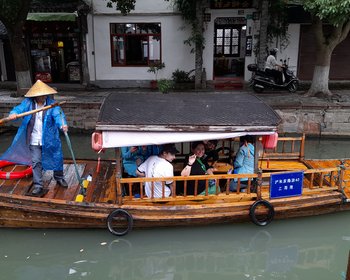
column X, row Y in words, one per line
column 97, row 96
column 74, row 92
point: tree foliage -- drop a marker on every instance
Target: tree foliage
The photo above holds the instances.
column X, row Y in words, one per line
column 124, row 6
column 278, row 23
column 10, row 11
column 334, row 11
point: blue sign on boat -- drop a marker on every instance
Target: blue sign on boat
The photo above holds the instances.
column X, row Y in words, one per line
column 286, row 184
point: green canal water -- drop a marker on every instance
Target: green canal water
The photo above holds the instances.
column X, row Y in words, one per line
column 303, row 248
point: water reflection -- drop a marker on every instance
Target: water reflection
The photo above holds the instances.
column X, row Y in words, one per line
column 306, row 248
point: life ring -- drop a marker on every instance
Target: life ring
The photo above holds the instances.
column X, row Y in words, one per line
column 128, row 217
column 253, row 216
column 14, row 175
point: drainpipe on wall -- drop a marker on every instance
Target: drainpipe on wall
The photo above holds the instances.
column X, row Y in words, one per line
column 93, row 36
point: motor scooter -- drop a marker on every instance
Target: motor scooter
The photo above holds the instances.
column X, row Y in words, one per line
column 261, row 80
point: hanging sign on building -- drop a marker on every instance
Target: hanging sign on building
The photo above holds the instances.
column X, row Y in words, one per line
column 230, row 20
column 234, row 4
column 43, row 76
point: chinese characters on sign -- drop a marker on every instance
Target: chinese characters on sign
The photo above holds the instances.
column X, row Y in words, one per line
column 286, row 184
column 249, row 44
column 224, row 4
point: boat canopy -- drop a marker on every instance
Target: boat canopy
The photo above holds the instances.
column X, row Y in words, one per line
column 135, row 119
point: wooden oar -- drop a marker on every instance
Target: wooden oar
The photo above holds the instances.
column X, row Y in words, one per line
column 5, row 120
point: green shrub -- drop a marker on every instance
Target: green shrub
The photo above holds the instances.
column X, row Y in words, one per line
column 165, row 85
column 180, row 76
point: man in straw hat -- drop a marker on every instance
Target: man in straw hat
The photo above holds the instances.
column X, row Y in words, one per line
column 39, row 133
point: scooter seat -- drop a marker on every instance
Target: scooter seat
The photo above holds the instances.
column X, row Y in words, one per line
column 261, row 73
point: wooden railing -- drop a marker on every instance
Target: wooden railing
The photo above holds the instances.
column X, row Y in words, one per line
column 286, row 148
column 324, row 179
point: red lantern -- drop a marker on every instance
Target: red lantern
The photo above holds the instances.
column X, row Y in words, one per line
column 270, row 141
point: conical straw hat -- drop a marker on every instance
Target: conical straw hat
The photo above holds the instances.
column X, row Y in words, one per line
column 40, row 89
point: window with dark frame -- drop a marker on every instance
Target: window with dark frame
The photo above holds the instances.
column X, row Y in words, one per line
column 135, row 44
column 227, row 41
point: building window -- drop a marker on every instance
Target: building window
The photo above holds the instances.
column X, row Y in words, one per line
column 227, row 40
column 135, row 44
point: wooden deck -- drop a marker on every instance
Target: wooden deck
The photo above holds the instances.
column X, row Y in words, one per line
column 103, row 182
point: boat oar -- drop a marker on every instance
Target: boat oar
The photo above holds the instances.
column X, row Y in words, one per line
column 5, row 120
column 83, row 183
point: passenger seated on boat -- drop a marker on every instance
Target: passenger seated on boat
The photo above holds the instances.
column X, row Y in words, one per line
column 210, row 152
column 194, row 166
column 244, row 162
column 159, row 166
column 132, row 158
column 153, row 150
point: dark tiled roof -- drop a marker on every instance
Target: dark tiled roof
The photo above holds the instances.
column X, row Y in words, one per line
column 188, row 110
column 59, row 7
column 3, row 31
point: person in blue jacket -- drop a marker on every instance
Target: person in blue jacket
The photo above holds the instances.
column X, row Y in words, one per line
column 244, row 162
column 40, row 135
column 132, row 158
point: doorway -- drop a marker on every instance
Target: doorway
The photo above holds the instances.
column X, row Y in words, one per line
column 229, row 46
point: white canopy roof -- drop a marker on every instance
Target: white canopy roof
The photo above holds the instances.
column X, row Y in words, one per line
column 112, row 139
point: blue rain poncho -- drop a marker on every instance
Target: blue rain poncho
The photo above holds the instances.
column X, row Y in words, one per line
column 52, row 157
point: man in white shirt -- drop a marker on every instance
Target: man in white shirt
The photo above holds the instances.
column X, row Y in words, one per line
column 159, row 166
column 271, row 67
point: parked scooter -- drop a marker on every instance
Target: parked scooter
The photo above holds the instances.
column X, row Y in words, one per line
column 261, row 80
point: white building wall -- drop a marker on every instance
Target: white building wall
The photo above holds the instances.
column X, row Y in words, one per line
column 292, row 49
column 175, row 54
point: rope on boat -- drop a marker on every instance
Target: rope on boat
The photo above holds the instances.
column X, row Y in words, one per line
column 343, row 183
column 82, row 189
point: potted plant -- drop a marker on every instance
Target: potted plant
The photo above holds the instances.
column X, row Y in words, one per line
column 154, row 68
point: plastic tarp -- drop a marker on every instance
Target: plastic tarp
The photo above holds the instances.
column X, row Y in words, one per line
column 113, row 139
column 19, row 152
column 52, row 17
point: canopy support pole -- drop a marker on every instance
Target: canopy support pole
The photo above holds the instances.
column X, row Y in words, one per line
column 118, row 177
column 256, row 154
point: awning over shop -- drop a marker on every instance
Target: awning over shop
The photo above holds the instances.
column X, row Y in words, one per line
column 52, row 17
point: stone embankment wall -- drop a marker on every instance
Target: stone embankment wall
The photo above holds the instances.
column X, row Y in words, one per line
column 313, row 119
column 79, row 116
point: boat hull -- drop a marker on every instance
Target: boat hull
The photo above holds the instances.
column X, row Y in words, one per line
column 37, row 213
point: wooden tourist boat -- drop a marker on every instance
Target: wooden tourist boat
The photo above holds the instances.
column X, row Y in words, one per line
column 156, row 119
